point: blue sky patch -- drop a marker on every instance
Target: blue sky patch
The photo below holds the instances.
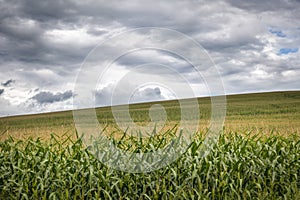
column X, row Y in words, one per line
column 287, row 50
column 277, row 33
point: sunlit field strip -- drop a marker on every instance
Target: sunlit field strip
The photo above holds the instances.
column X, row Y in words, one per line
column 270, row 112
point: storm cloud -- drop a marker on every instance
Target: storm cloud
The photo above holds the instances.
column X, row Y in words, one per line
column 7, row 83
column 44, row 44
column 48, row 97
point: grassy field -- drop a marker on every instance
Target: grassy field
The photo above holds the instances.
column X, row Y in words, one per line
column 261, row 112
column 256, row 157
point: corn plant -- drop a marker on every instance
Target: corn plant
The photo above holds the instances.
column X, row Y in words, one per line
column 238, row 167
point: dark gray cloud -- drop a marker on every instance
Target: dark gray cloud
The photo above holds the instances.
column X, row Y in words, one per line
column 8, row 82
column 156, row 57
column 43, row 44
column 48, row 97
column 1, row 91
column 265, row 6
column 26, row 25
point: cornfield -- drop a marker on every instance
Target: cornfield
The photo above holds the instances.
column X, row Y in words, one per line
column 239, row 166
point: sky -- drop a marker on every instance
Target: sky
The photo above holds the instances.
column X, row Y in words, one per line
column 45, row 45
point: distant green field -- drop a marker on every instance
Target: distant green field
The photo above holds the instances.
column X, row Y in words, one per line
column 272, row 111
column 257, row 156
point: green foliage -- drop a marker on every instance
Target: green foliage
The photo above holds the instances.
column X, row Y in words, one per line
column 238, row 167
